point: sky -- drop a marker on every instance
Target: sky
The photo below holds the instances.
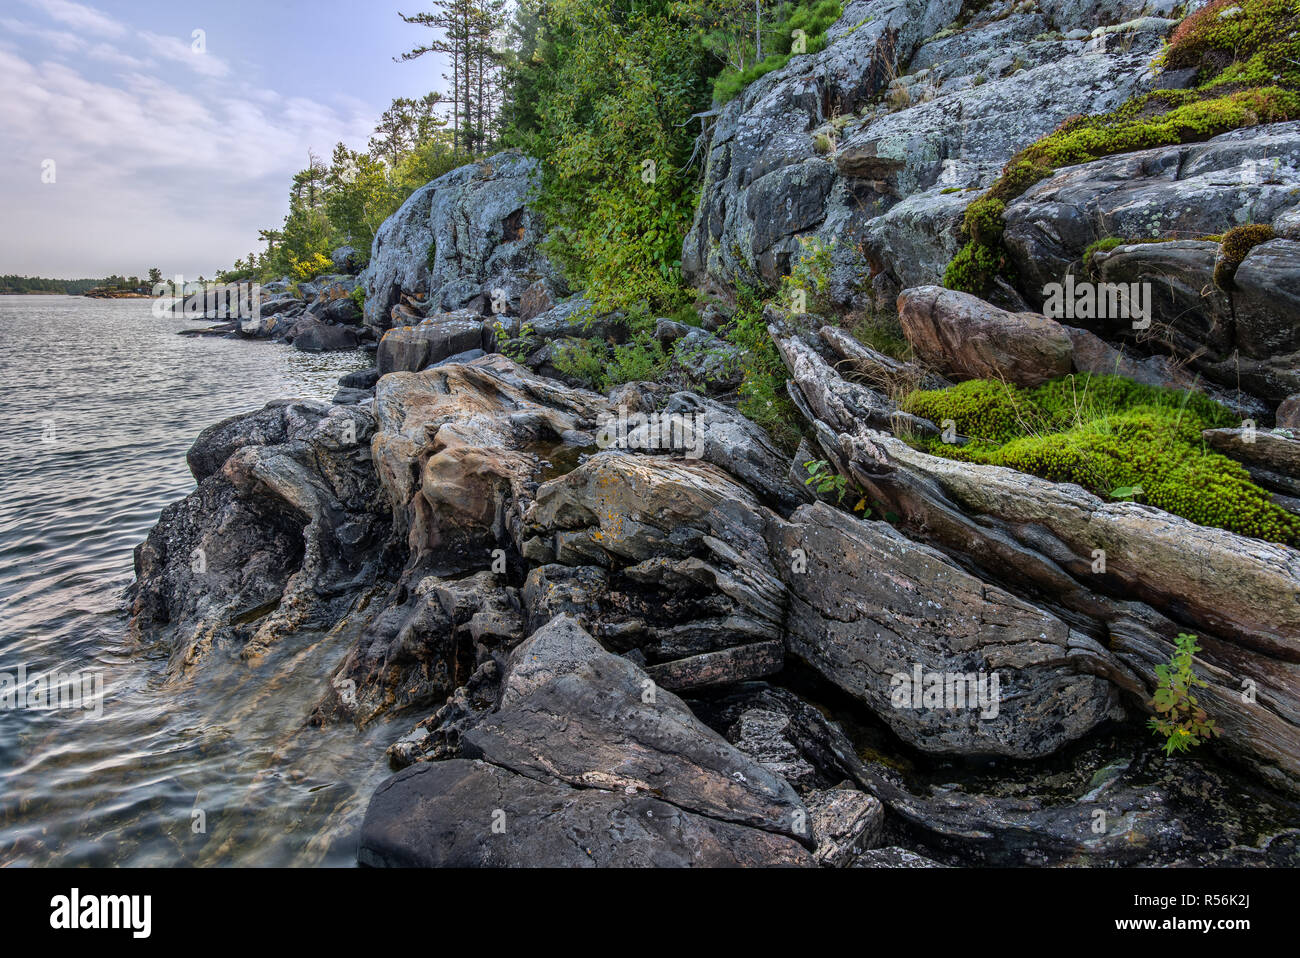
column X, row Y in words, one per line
column 129, row 141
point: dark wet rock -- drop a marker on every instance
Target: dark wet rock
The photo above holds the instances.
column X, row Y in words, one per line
column 588, row 737
column 601, row 722
column 283, row 533
column 441, row 814
column 350, row 397
column 361, row 379
column 322, row 338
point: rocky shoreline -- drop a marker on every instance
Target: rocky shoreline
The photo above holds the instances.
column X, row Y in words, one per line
column 618, row 649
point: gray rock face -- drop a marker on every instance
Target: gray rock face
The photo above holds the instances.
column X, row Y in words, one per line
column 1028, row 534
column 882, row 617
column 458, row 239
column 587, row 737
column 1196, row 189
column 413, row 348
column 959, row 108
column 282, row 532
column 441, row 815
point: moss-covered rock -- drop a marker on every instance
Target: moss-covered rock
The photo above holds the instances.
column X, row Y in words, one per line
column 1107, row 433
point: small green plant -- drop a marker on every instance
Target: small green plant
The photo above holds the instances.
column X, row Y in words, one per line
column 358, row 295
column 431, row 255
column 582, row 359
column 1179, row 716
column 824, row 479
column 513, row 347
column 1236, row 245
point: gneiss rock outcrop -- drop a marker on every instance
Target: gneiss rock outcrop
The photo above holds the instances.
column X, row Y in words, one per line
column 916, row 112
column 1243, row 337
column 1043, row 540
column 284, row 533
column 588, row 762
column 462, row 241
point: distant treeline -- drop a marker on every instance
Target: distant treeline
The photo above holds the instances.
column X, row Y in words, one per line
column 70, row 287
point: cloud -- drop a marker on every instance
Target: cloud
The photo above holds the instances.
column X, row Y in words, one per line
column 155, row 165
column 59, row 39
column 85, row 19
column 181, row 51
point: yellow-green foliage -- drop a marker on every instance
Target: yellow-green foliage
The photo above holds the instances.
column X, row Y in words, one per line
column 1106, row 433
column 1179, row 716
column 1237, row 243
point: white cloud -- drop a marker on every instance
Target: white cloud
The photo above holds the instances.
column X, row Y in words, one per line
column 80, row 17
column 154, row 166
column 182, row 51
column 58, row 39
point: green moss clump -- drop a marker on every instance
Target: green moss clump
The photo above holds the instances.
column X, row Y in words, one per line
column 983, row 220
column 1236, row 245
column 1104, row 245
column 974, row 268
column 1105, row 433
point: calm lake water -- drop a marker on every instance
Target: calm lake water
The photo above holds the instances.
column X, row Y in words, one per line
column 101, row 401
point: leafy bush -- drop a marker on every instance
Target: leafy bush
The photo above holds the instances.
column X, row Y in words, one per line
column 813, row 18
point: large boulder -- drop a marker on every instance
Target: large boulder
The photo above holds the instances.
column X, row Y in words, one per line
column 950, row 662
column 323, row 338
column 413, row 348
column 282, row 534
column 586, row 763
column 457, row 240
column 967, row 338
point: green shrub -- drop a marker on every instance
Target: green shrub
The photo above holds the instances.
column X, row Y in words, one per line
column 582, row 359
column 763, row 396
column 813, row 18
column 974, row 268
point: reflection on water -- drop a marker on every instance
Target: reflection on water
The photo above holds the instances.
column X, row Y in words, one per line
column 101, row 402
